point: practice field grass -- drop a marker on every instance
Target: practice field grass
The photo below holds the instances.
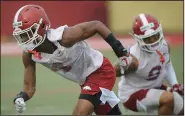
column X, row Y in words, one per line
column 54, row 94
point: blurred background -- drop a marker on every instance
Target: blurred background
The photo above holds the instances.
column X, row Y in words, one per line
column 54, row 94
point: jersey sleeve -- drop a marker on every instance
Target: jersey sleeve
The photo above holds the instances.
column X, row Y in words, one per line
column 166, row 51
column 54, row 35
column 135, row 51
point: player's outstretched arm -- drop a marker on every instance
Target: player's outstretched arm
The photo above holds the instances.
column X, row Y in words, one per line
column 130, row 69
column 83, row 31
column 29, row 75
column 171, row 77
column 29, row 83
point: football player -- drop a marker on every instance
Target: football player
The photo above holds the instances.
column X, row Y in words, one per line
column 141, row 87
column 64, row 51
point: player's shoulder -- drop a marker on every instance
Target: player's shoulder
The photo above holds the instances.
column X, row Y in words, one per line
column 133, row 47
column 165, row 42
column 58, row 29
column 61, row 28
column 56, row 34
column 165, row 47
column 135, row 50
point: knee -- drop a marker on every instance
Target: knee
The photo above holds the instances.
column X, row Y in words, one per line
column 178, row 104
column 167, row 98
column 82, row 112
column 79, row 112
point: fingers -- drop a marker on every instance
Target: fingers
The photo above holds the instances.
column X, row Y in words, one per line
column 19, row 101
column 20, row 109
column 178, row 88
column 20, row 105
column 124, row 63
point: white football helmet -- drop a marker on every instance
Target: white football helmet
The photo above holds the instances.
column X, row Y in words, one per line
column 144, row 27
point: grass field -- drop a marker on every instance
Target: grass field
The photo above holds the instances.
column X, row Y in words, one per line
column 54, row 94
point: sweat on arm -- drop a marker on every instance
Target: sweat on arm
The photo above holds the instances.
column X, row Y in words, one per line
column 83, row 31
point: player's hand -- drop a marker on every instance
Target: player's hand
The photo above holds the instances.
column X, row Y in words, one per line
column 20, row 105
column 178, row 88
column 163, row 87
column 125, row 61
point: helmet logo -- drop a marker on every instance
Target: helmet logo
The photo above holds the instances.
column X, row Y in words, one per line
column 17, row 24
column 146, row 27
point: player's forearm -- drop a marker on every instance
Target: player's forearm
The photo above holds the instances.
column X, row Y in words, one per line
column 30, row 90
column 93, row 27
column 27, row 93
column 29, row 81
column 116, row 45
column 170, row 74
column 102, row 30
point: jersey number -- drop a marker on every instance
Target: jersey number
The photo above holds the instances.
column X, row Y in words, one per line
column 154, row 73
column 59, row 66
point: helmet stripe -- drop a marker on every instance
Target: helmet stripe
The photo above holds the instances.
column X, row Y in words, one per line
column 143, row 19
column 17, row 13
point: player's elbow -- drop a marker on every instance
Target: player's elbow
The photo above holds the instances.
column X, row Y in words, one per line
column 92, row 26
column 97, row 23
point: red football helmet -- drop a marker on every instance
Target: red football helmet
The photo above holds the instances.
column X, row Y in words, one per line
column 30, row 25
column 144, row 27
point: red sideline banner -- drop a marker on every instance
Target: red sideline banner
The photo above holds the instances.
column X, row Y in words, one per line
column 95, row 42
column 59, row 12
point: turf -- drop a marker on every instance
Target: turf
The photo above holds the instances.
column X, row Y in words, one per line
column 54, row 94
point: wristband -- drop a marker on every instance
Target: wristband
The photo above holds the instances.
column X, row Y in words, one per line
column 23, row 95
column 116, row 45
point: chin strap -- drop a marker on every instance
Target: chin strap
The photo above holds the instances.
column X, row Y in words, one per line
column 162, row 60
column 35, row 53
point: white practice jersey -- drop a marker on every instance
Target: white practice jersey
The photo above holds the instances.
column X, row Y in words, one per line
column 150, row 73
column 75, row 63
